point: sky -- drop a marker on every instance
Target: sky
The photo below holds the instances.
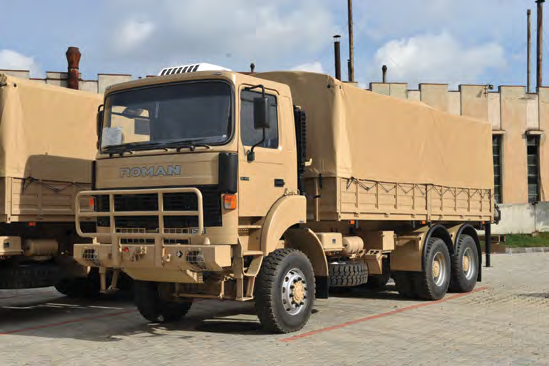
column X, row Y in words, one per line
column 441, row 41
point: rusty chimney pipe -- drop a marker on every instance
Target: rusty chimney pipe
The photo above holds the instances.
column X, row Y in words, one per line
column 73, row 58
column 337, row 56
column 384, row 73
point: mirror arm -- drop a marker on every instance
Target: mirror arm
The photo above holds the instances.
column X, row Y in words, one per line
column 251, row 153
column 260, row 86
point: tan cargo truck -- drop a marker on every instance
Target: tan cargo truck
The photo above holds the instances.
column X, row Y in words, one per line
column 46, row 153
column 275, row 187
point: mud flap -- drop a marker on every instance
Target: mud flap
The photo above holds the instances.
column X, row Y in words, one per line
column 322, row 287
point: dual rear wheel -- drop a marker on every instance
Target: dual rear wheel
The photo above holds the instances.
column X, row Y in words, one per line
column 442, row 271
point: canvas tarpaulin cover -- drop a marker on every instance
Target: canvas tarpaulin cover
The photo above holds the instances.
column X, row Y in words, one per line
column 355, row 133
column 46, row 132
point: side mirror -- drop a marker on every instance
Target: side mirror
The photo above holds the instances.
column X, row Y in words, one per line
column 100, row 116
column 261, row 113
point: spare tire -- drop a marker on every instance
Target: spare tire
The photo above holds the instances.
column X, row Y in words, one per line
column 32, row 275
column 348, row 274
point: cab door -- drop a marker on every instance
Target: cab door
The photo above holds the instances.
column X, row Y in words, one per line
column 262, row 181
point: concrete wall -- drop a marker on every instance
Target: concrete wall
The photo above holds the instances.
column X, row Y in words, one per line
column 523, row 219
column 60, row 79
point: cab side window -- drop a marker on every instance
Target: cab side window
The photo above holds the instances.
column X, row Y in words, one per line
column 249, row 135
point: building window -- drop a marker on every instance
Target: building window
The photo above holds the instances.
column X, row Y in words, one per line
column 533, row 168
column 496, row 146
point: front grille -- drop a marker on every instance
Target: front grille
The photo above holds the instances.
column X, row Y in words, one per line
column 172, row 202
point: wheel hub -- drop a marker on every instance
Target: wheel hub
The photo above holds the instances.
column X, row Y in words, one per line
column 298, row 292
column 466, row 264
column 436, row 269
column 294, row 291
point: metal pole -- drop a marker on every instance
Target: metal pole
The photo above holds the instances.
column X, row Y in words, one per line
column 488, row 242
column 540, row 44
column 529, row 53
column 337, row 55
column 351, row 43
column 384, row 72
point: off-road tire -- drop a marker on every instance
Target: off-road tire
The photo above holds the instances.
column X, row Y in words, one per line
column 459, row 281
column 426, row 287
column 348, row 274
column 268, row 291
column 377, row 282
column 155, row 309
column 405, row 283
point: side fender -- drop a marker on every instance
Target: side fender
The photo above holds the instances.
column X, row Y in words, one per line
column 285, row 213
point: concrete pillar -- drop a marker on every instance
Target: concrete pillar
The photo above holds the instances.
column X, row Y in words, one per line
column 513, row 121
column 397, row 90
column 474, row 101
column 435, row 95
column 106, row 80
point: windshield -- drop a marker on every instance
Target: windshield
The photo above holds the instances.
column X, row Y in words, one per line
column 168, row 115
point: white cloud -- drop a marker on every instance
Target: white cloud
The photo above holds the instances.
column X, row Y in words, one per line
column 311, row 67
column 11, row 60
column 230, row 33
column 132, row 34
column 437, row 58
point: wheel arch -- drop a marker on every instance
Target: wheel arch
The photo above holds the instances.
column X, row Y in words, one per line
column 306, row 241
column 437, row 231
column 287, row 212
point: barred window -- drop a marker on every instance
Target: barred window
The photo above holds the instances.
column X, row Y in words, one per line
column 496, row 146
column 532, row 146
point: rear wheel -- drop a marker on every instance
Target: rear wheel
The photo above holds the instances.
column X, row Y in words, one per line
column 154, row 303
column 433, row 282
column 285, row 291
column 465, row 265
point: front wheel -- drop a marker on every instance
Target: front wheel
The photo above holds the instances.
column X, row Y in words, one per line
column 285, row 291
column 154, row 303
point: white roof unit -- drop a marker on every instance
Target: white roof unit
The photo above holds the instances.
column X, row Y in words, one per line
column 184, row 69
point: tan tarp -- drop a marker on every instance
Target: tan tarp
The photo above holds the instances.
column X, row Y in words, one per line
column 46, row 132
column 356, row 133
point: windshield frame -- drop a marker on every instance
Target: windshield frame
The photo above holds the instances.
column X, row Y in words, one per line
column 232, row 121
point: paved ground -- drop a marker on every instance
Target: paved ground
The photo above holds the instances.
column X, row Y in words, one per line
column 505, row 322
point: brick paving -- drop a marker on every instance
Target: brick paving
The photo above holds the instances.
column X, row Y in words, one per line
column 505, row 322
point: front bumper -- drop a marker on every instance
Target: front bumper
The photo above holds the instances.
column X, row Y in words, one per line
column 196, row 258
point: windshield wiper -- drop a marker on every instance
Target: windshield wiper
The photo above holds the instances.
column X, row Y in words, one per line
column 133, row 146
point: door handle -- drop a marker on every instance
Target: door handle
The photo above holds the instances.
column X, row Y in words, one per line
column 279, row 182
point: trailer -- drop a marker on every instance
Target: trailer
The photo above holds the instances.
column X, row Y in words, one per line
column 46, row 154
column 275, row 187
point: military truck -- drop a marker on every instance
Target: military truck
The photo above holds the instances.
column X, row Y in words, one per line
column 275, row 187
column 46, row 154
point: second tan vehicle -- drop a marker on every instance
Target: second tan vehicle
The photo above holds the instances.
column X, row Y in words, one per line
column 275, row 187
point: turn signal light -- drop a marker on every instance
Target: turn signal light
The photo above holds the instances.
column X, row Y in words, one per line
column 92, row 204
column 229, row 202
